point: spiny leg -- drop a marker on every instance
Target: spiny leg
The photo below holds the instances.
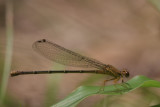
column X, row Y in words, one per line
column 124, row 84
column 103, row 86
column 115, row 82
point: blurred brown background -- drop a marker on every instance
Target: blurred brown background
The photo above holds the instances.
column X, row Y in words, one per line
column 124, row 33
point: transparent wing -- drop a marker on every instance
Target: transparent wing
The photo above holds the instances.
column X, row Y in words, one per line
column 64, row 56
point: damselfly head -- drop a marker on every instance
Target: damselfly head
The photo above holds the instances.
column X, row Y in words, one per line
column 125, row 73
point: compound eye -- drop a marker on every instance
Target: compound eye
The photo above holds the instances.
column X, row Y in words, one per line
column 127, row 74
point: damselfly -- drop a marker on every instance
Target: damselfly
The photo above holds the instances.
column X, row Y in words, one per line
column 67, row 57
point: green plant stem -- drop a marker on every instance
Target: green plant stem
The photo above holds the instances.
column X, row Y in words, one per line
column 8, row 53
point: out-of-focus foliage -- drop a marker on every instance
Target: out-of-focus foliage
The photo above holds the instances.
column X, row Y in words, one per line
column 156, row 3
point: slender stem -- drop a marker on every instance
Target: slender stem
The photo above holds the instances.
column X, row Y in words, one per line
column 8, row 53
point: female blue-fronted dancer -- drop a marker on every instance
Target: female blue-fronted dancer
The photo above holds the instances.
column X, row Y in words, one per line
column 67, row 57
